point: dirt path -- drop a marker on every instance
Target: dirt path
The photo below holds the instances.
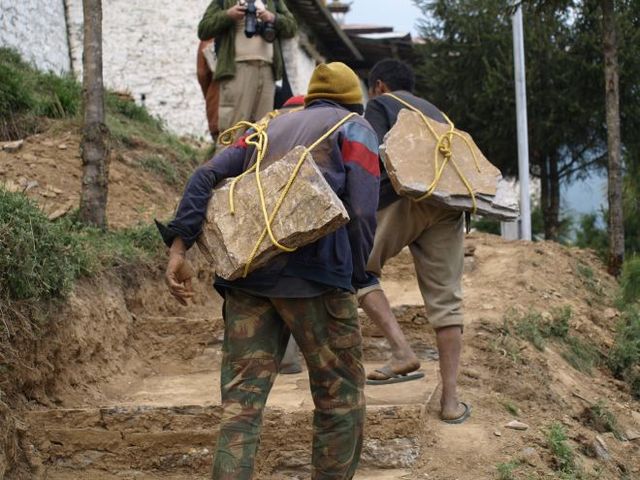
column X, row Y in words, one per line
column 156, row 417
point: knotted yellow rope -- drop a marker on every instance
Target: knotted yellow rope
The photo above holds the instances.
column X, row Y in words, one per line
column 260, row 140
column 443, row 147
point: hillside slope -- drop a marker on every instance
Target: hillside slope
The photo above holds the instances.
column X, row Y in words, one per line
column 123, row 382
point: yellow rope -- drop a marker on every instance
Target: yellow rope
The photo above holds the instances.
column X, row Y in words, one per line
column 443, row 147
column 260, row 140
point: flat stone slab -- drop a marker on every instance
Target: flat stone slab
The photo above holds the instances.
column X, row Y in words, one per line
column 310, row 211
column 409, row 155
column 289, row 393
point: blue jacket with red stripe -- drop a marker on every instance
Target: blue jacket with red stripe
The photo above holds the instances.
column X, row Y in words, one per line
column 348, row 159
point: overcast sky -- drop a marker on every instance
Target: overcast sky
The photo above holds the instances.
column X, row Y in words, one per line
column 400, row 14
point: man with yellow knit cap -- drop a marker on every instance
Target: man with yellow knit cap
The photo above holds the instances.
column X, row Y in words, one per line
column 308, row 293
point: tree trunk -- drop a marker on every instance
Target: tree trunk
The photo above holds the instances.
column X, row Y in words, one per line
column 94, row 148
column 612, row 98
column 554, row 199
column 550, row 197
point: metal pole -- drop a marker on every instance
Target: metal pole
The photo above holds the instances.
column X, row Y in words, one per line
column 521, row 115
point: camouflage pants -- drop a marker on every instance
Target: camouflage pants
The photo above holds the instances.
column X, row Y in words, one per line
column 256, row 333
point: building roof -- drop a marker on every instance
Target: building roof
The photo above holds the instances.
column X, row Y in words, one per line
column 328, row 36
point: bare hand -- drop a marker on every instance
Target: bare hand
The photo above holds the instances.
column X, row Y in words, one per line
column 266, row 16
column 237, row 12
column 179, row 273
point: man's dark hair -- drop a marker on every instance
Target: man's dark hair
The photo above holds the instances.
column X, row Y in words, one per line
column 396, row 74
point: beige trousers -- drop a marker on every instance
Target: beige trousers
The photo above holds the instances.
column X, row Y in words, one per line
column 248, row 95
column 435, row 237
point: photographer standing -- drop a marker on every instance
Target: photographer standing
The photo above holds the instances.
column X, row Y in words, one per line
column 249, row 55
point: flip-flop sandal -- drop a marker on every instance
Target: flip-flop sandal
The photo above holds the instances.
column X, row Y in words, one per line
column 393, row 377
column 461, row 418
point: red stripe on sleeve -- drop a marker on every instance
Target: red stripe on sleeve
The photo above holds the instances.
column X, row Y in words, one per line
column 358, row 153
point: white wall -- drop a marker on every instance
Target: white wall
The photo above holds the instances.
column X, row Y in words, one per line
column 37, row 29
column 150, row 51
column 299, row 64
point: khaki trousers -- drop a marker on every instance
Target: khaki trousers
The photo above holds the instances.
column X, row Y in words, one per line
column 248, row 95
column 435, row 237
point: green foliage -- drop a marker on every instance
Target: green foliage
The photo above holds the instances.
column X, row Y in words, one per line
column 485, row 224
column 511, row 407
column 530, row 328
column 505, row 470
column 630, row 280
column 599, row 418
column 563, row 455
column 117, row 105
column 159, row 165
column 624, row 357
column 589, row 280
column 41, row 259
column 533, row 328
column 564, row 82
column 26, row 93
column 560, row 325
column 581, row 355
column 38, row 259
column 590, row 235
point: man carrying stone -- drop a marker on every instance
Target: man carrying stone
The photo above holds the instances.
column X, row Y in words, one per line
column 434, row 236
column 309, row 292
column 247, row 67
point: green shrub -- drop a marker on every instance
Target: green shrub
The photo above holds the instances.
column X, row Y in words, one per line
column 630, row 280
column 563, row 456
column 581, row 355
column 25, row 90
column 129, row 109
column 41, row 259
column 38, row 259
column 57, row 96
column 599, row 418
column 505, row 470
column 624, row 356
column 487, row 225
column 530, row 329
column 560, row 325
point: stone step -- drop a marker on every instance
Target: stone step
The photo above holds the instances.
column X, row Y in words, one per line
column 179, row 440
column 71, row 474
column 192, row 344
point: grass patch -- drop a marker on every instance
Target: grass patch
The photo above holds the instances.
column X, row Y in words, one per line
column 630, row 280
column 505, row 470
column 537, row 330
column 161, row 166
column 559, row 327
column 41, row 259
column 132, row 127
column 624, row 356
column 581, row 355
column 563, row 455
column 599, row 418
column 27, row 94
column 530, row 328
column 589, row 280
column 511, row 407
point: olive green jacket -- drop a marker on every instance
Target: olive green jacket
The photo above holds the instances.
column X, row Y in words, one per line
column 216, row 24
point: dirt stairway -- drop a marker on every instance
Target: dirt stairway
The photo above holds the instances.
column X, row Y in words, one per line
column 162, row 423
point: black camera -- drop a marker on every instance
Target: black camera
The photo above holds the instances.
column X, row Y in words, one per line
column 253, row 26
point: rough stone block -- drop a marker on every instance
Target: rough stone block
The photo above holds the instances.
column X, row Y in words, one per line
column 310, row 211
column 409, row 156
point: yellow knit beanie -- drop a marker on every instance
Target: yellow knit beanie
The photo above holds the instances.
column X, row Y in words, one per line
column 334, row 81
